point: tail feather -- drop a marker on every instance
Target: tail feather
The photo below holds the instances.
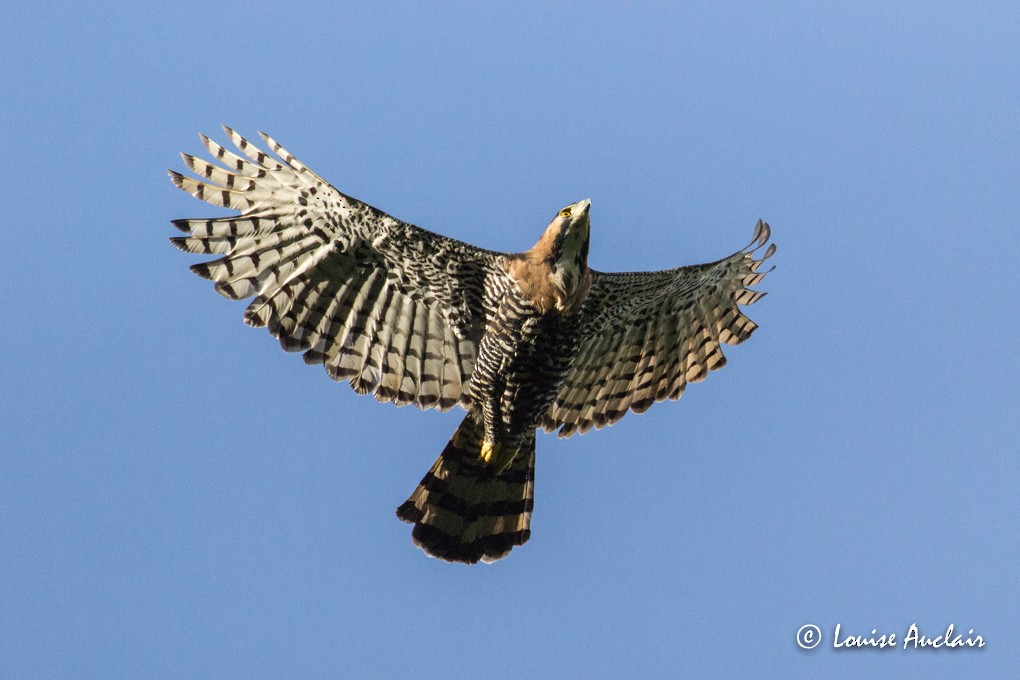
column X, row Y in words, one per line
column 463, row 511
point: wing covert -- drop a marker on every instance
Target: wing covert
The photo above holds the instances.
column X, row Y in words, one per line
column 645, row 335
column 392, row 308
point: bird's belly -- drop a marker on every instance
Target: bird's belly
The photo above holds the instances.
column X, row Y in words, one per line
column 523, row 359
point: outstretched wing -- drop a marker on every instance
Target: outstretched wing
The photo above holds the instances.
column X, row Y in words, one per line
column 645, row 335
column 394, row 309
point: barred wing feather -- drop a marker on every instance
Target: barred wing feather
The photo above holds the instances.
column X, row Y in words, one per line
column 392, row 308
column 645, row 335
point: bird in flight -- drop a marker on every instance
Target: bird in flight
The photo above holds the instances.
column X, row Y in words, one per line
column 520, row 341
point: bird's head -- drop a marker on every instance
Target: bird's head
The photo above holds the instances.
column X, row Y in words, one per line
column 554, row 274
column 564, row 245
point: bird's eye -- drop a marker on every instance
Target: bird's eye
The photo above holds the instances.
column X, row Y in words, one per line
column 565, row 213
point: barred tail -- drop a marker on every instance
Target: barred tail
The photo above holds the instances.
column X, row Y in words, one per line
column 463, row 511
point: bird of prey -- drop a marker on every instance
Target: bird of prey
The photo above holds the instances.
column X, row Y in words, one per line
column 521, row 341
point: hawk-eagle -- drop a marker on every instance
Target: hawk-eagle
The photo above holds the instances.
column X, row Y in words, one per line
column 519, row 340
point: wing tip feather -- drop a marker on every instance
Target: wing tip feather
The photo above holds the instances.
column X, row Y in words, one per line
column 201, row 269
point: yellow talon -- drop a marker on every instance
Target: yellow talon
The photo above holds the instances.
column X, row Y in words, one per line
column 497, row 455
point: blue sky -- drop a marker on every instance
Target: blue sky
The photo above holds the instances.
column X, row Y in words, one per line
column 179, row 498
